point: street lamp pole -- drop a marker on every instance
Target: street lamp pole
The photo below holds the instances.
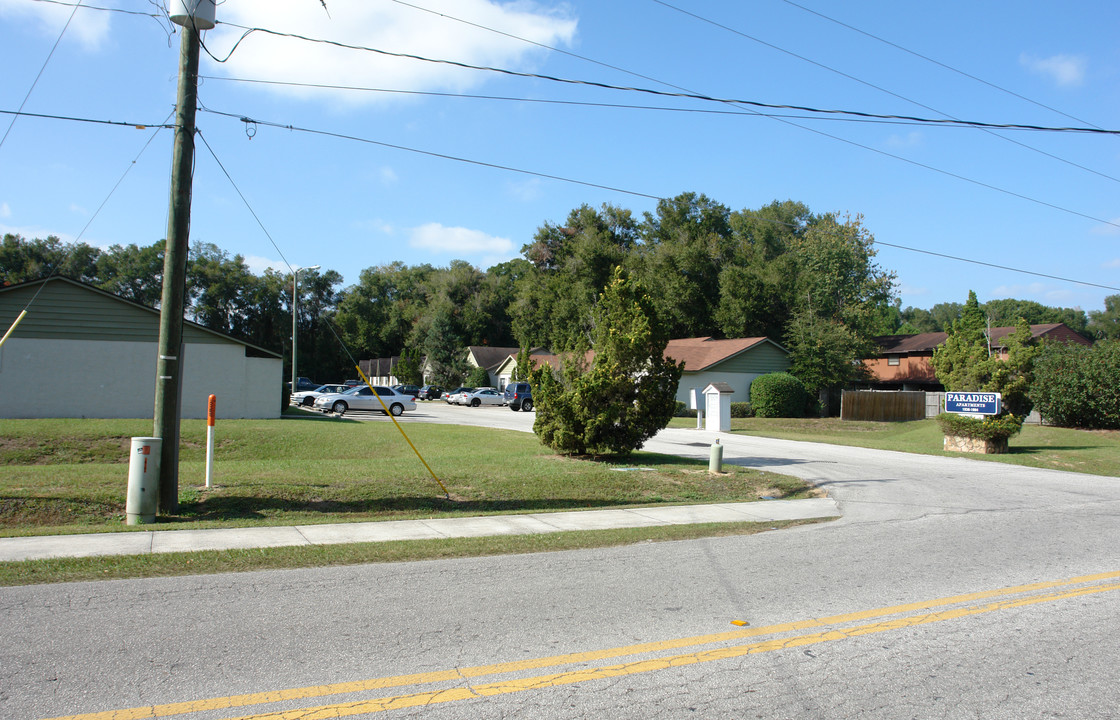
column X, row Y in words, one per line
column 295, row 301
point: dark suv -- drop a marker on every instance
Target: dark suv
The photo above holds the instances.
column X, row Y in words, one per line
column 519, row 396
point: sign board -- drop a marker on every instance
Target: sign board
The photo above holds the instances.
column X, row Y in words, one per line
column 972, row 403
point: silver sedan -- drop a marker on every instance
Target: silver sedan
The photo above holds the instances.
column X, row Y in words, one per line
column 485, row 396
column 362, row 398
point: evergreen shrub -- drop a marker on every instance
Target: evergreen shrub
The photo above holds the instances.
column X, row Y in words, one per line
column 778, row 395
column 1079, row 386
column 996, row 427
column 741, row 410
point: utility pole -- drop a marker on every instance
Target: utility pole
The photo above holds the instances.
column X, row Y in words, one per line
column 169, row 366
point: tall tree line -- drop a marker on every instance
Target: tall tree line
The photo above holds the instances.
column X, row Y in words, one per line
column 806, row 280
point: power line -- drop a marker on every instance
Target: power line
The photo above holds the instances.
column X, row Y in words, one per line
column 988, row 129
column 429, row 153
column 71, row 118
column 40, row 74
column 938, row 63
column 660, row 93
column 341, row 136
column 856, row 116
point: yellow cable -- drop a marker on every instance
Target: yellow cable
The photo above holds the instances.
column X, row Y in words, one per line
column 389, row 414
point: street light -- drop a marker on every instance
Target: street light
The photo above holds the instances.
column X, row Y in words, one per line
column 295, row 301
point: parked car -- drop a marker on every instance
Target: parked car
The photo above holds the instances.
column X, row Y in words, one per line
column 410, row 390
column 450, row 395
column 363, row 398
column 307, row 398
column 352, row 383
column 430, row 392
column 519, row 396
column 303, row 383
column 485, row 396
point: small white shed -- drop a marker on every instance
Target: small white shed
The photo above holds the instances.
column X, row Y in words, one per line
column 717, row 397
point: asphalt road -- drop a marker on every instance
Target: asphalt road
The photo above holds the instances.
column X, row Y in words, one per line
column 950, row 589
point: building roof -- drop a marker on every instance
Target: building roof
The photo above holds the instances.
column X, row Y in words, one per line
column 701, row 353
column 15, row 289
column 490, row 357
column 926, row 342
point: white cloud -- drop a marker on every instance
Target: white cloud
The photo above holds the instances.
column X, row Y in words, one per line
column 527, row 191
column 5, row 210
column 1112, row 264
column 89, row 27
column 1103, row 229
column 1065, row 70
column 908, row 140
column 257, row 264
column 1019, row 291
column 384, row 26
column 459, row 241
column 388, row 176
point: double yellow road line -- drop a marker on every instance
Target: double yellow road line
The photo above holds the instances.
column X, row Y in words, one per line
column 646, row 657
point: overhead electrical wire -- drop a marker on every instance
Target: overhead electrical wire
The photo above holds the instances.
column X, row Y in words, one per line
column 662, row 93
column 938, row 63
column 40, row 73
column 341, row 136
column 855, row 115
column 429, row 153
column 831, row 69
column 950, row 122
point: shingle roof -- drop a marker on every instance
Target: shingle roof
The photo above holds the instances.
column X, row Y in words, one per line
column 491, row 357
column 703, row 352
column 926, row 342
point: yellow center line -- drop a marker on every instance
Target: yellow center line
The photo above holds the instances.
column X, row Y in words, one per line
column 584, row 674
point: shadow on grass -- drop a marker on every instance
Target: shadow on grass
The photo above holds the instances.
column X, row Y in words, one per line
column 1035, row 449
column 244, row 507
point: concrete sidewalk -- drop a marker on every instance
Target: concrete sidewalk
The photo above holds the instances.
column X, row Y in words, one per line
column 165, row 541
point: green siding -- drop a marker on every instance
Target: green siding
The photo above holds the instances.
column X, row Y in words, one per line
column 762, row 358
column 66, row 311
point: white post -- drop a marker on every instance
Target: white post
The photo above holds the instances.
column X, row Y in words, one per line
column 211, row 411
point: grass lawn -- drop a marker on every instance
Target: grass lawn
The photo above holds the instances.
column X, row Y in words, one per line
column 70, row 476
column 1096, row 452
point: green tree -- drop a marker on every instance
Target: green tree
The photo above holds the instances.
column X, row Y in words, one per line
column 842, row 296
column 409, row 368
column 966, row 361
column 1003, row 313
column 1079, row 386
column 614, row 402
column 132, row 272
column 1106, row 323
column 686, row 243
column 25, row 260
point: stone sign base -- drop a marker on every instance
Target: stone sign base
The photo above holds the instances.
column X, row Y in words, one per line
column 958, row 443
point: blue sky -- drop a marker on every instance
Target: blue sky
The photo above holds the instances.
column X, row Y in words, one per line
column 1048, row 202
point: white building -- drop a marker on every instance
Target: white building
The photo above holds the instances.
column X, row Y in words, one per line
column 83, row 352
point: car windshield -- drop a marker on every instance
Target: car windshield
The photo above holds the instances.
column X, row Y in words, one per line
column 353, row 391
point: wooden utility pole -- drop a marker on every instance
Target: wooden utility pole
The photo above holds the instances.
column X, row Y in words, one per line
column 169, row 366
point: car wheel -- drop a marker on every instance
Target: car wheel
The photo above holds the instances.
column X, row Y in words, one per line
column 515, row 408
column 396, row 409
column 339, row 408
column 527, row 405
column 308, row 401
column 476, row 402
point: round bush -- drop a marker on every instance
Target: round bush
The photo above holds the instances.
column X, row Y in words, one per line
column 778, row 395
column 1078, row 386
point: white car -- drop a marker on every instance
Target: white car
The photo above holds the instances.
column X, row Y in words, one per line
column 306, row 398
column 362, row 398
column 484, row 396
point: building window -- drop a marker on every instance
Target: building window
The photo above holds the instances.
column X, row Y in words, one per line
column 892, row 360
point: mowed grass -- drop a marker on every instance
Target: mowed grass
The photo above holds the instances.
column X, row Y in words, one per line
column 70, row 476
column 1096, row 452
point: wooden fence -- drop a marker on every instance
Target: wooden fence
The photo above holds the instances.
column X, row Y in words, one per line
column 881, row 406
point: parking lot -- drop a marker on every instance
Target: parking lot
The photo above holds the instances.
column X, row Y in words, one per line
column 437, row 411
